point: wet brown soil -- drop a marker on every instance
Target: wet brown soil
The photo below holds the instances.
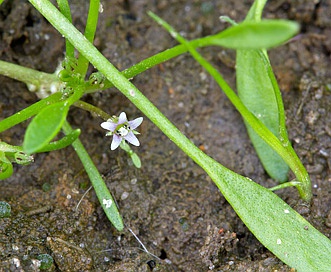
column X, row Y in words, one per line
column 170, row 204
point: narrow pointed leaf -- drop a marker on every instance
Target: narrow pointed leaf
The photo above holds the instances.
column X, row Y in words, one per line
column 259, row 92
column 256, row 35
column 105, row 198
column 273, row 222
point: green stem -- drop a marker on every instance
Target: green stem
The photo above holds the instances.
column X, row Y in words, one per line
column 65, row 10
column 150, row 62
column 296, row 166
column 98, row 183
column 77, row 94
column 256, row 10
column 91, row 27
column 92, row 109
column 142, row 103
column 286, row 152
column 62, row 143
column 119, row 80
column 285, row 185
column 27, row 75
column 28, row 112
column 283, row 137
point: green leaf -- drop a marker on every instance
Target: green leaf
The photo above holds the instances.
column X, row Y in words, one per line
column 6, row 168
column 273, row 222
column 136, row 160
column 256, row 35
column 62, row 143
column 280, row 168
column 258, row 94
column 44, row 127
column 28, row 112
column 255, row 12
column 105, row 198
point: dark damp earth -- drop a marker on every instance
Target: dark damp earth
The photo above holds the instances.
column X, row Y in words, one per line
column 170, row 203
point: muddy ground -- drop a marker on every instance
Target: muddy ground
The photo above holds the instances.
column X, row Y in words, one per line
column 170, row 204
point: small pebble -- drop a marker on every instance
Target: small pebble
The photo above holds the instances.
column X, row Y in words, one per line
column 5, row 209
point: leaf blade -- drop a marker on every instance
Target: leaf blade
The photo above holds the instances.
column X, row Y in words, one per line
column 62, row 143
column 44, row 127
column 256, row 35
column 273, row 222
column 257, row 92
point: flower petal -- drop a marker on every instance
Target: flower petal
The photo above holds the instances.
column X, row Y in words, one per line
column 132, row 139
column 109, row 126
column 122, row 118
column 135, row 123
column 116, row 142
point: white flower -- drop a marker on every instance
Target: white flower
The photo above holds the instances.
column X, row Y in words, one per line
column 121, row 129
